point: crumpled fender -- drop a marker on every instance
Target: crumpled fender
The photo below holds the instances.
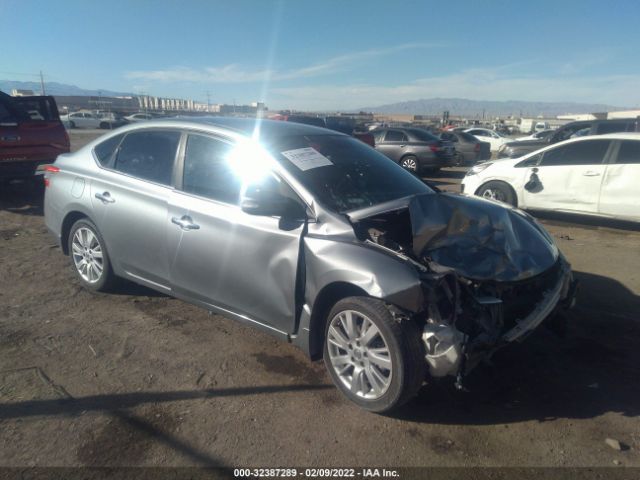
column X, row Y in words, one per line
column 379, row 274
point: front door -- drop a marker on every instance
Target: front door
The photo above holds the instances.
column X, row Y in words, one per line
column 568, row 177
column 223, row 257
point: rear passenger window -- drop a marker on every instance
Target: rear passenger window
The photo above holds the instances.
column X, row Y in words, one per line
column 589, row 152
column 612, row 127
column 629, row 152
column 105, row 151
column 395, row 136
column 207, row 172
column 148, row 155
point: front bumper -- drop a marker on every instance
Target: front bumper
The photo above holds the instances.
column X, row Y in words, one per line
column 449, row 352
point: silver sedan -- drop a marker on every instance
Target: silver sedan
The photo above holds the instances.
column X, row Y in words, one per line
column 311, row 236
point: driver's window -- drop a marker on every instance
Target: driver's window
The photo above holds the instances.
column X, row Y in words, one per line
column 207, row 172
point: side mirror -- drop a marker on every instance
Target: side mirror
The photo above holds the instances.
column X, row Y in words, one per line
column 268, row 203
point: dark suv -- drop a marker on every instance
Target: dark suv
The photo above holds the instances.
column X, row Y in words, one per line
column 581, row 128
column 414, row 149
column 31, row 134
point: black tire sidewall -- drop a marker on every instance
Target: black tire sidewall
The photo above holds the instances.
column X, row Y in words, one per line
column 502, row 187
column 107, row 275
column 393, row 337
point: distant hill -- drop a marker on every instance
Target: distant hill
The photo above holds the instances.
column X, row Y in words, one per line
column 55, row 88
column 475, row 108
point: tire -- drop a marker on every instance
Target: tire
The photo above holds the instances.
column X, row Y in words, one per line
column 104, row 125
column 94, row 273
column 72, row 125
column 410, row 163
column 459, row 159
column 500, row 191
column 397, row 374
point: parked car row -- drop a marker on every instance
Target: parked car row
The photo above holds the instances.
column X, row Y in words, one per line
column 104, row 120
column 581, row 128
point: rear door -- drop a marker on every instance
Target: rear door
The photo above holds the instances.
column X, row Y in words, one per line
column 223, row 257
column 393, row 144
column 620, row 192
column 130, row 201
column 569, row 177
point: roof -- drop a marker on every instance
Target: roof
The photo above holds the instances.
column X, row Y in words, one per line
column 247, row 126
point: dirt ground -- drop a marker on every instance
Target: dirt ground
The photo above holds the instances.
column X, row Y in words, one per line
column 137, row 378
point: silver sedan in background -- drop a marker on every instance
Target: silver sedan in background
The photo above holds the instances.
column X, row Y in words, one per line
column 312, row 236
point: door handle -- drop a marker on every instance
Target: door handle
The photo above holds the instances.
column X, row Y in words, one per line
column 590, row 173
column 10, row 138
column 185, row 223
column 104, row 197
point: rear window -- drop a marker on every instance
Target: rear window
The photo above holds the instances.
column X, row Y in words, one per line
column 395, row 136
column 422, row 135
column 104, row 151
column 614, row 127
column 466, row 137
column 38, row 108
column 148, row 155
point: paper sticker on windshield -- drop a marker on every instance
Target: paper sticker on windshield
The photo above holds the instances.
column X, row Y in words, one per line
column 307, row 158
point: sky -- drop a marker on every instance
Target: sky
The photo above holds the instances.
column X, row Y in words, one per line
column 330, row 54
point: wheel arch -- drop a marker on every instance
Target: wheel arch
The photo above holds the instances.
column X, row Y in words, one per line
column 507, row 184
column 69, row 219
column 325, row 300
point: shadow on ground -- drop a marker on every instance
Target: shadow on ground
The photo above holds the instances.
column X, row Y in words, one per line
column 23, row 197
column 585, row 221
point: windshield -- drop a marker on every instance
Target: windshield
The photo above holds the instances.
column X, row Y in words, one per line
column 343, row 173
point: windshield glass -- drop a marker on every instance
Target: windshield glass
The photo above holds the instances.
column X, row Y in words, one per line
column 343, row 173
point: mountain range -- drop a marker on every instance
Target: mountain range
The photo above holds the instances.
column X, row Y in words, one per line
column 477, row 108
column 55, row 88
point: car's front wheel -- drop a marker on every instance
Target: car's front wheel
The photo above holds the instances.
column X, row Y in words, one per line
column 496, row 190
column 375, row 360
column 89, row 256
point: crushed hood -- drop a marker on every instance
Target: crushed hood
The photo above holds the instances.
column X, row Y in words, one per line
column 480, row 239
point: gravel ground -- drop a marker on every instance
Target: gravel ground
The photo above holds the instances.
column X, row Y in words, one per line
column 137, row 378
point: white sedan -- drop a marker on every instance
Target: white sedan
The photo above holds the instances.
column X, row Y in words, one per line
column 595, row 175
column 80, row 120
column 492, row 137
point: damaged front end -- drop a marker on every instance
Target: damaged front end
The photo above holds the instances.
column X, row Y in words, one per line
column 490, row 274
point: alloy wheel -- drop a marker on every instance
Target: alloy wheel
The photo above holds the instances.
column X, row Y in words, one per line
column 359, row 354
column 87, row 255
column 409, row 164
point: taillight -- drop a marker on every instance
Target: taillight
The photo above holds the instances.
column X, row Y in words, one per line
column 477, row 147
column 434, row 148
column 49, row 169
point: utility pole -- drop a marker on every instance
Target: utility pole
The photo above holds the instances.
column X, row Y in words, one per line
column 41, row 83
column 208, row 102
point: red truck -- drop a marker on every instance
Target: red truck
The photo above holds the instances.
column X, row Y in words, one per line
column 31, row 134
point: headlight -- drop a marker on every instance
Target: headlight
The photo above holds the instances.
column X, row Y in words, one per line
column 478, row 168
column 502, row 148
